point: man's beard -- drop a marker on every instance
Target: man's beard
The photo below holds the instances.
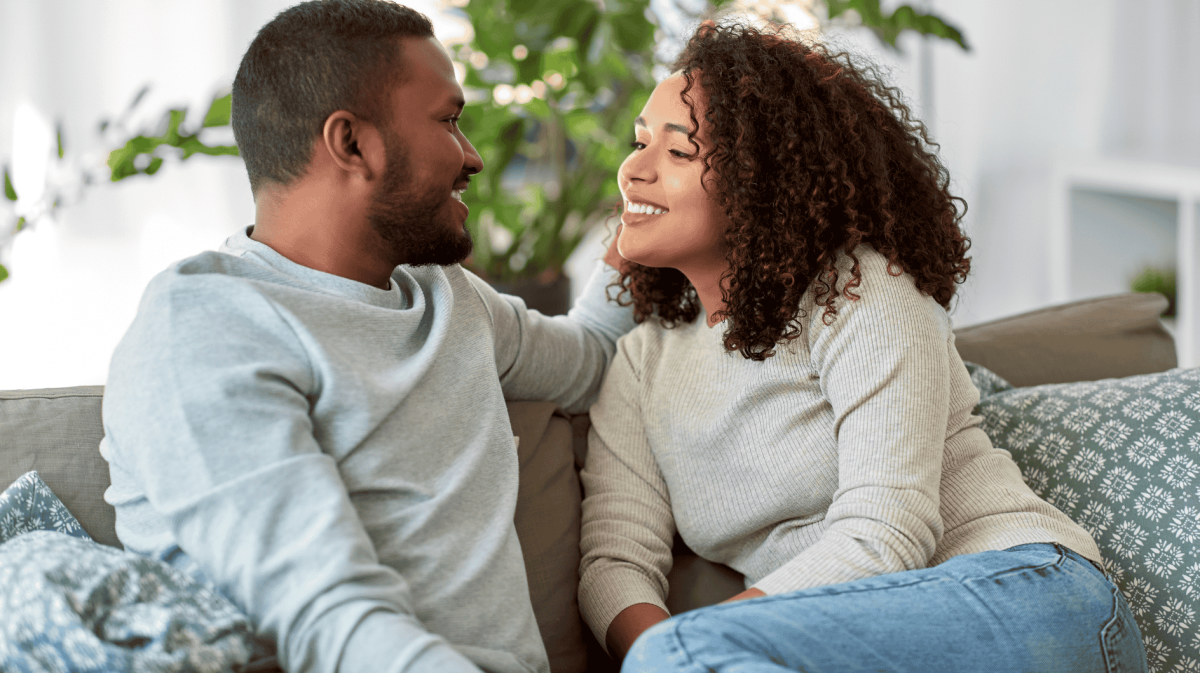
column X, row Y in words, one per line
column 408, row 221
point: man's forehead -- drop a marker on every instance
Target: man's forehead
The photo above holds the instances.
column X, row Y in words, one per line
column 428, row 73
column 426, row 50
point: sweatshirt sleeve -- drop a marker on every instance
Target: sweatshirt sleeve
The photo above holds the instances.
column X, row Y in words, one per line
column 627, row 526
column 557, row 358
column 884, row 370
column 208, row 404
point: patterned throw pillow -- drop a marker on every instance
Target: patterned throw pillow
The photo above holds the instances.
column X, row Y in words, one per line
column 28, row 504
column 1122, row 458
column 68, row 604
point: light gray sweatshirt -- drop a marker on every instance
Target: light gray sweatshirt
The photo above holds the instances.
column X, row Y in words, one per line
column 852, row 452
column 337, row 458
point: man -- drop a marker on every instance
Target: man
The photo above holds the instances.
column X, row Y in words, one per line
column 313, row 418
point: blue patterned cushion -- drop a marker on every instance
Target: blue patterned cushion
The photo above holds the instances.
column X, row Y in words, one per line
column 68, row 604
column 28, row 504
column 1122, row 458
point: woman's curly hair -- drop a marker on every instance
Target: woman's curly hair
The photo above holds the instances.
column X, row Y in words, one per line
column 812, row 155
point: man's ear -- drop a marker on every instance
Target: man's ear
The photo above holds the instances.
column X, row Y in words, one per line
column 354, row 144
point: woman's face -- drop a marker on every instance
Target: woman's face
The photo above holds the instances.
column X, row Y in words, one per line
column 670, row 218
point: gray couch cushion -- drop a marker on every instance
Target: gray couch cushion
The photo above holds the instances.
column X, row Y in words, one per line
column 1102, row 338
column 57, row 432
column 547, row 522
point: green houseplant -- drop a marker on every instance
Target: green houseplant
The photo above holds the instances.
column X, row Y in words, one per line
column 579, row 73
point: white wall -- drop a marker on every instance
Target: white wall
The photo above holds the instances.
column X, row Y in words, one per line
column 1047, row 82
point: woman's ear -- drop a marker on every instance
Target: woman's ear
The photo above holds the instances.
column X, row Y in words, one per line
column 354, row 145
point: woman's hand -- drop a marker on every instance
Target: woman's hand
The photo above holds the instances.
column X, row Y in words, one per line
column 748, row 593
column 628, row 625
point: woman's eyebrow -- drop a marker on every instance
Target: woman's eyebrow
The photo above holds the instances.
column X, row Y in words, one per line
column 678, row 128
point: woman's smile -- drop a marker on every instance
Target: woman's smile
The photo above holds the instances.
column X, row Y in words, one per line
column 662, row 184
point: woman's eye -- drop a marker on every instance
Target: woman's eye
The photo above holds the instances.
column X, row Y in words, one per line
column 681, row 154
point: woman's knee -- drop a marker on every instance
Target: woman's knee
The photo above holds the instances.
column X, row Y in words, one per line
column 657, row 650
column 708, row 639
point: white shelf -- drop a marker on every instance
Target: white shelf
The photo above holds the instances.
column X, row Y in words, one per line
column 1142, row 197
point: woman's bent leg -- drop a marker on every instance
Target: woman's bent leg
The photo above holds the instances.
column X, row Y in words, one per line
column 1030, row 608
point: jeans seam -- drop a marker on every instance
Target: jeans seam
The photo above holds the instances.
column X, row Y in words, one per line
column 1057, row 562
column 677, row 643
column 788, row 594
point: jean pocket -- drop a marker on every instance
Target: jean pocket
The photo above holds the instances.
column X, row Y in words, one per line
column 1122, row 640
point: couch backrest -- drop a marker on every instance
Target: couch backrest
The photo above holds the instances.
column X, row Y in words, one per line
column 1102, row 338
column 57, row 431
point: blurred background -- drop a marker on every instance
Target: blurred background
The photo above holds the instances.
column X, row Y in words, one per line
column 1071, row 127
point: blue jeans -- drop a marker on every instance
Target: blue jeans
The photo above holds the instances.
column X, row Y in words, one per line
column 1034, row 607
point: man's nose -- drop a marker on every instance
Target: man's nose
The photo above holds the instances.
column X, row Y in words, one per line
column 472, row 162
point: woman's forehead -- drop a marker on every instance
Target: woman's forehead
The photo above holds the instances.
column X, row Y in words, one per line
column 666, row 108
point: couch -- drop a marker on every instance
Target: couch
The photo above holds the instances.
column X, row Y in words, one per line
column 57, row 431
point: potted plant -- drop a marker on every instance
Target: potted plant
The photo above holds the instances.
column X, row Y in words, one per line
column 555, row 88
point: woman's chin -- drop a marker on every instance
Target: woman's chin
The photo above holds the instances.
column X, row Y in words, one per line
column 635, row 256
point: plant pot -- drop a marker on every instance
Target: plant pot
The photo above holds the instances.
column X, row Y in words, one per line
column 552, row 298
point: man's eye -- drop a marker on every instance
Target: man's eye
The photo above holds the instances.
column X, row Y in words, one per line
column 638, row 145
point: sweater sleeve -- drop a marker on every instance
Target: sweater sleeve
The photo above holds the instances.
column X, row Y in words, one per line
column 628, row 527
column 557, row 358
column 208, row 404
column 884, row 370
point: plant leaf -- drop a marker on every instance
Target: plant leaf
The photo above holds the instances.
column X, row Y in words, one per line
column 219, row 112
column 9, row 192
column 3, row 273
column 887, row 27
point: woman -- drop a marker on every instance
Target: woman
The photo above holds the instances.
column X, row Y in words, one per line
column 793, row 404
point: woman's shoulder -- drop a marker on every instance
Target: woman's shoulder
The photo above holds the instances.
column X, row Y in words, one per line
column 883, row 290
column 635, row 343
column 648, row 343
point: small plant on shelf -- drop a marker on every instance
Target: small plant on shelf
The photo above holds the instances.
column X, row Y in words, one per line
column 1162, row 281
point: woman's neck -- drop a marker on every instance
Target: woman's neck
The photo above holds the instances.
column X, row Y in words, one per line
column 707, row 282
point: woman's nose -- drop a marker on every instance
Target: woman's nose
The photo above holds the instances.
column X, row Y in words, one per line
column 636, row 168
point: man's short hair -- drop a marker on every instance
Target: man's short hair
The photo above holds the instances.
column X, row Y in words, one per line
column 311, row 60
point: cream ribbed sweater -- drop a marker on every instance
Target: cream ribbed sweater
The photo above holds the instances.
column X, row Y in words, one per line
column 852, row 452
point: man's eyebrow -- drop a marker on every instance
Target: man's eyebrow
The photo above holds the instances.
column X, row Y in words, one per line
column 670, row 127
column 455, row 101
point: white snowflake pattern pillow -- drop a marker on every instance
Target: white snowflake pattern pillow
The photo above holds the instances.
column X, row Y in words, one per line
column 1122, row 458
column 69, row 604
column 28, row 504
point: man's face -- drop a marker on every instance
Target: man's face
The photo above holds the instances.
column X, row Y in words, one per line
column 417, row 208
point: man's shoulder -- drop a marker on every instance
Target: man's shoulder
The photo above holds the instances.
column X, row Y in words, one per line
column 203, row 311
column 207, row 293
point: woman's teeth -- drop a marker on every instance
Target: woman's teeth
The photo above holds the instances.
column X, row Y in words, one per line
column 643, row 208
